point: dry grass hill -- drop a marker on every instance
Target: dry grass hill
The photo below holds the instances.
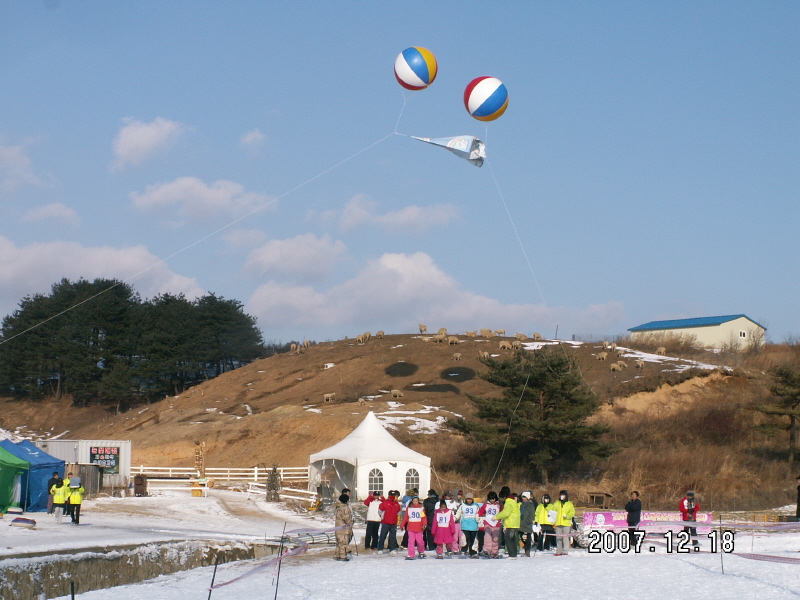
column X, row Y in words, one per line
column 272, row 411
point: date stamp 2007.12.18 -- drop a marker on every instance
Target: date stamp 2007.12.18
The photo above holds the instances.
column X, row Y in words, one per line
column 678, row 543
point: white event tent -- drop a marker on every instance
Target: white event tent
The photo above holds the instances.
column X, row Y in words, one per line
column 368, row 460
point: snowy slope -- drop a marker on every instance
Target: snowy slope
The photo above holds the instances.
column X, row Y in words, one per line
column 578, row 576
column 229, row 516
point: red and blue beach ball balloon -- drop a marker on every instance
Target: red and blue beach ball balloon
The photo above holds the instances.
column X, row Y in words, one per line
column 486, row 98
column 415, row 68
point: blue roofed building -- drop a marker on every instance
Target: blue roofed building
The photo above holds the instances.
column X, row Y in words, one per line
column 712, row 332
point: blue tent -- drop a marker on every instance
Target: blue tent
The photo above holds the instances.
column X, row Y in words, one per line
column 42, row 468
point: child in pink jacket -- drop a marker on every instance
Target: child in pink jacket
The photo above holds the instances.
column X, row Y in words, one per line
column 444, row 528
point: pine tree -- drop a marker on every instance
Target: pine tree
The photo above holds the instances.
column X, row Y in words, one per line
column 541, row 416
column 99, row 342
column 786, row 390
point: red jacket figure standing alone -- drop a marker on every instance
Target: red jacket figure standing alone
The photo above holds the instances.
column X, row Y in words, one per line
column 689, row 508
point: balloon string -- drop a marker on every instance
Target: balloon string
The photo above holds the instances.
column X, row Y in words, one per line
column 199, row 241
column 516, row 233
column 400, row 116
column 527, row 260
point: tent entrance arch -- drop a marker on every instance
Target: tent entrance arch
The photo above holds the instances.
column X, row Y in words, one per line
column 357, row 460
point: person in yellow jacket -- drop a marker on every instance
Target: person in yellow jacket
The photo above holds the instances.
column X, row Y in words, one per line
column 59, row 490
column 544, row 520
column 510, row 517
column 565, row 510
column 75, row 500
column 67, row 506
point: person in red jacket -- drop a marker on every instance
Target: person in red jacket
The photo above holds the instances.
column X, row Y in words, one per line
column 415, row 522
column 390, row 508
column 689, row 508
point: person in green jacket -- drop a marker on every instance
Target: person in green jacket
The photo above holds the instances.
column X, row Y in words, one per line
column 565, row 510
column 59, row 491
column 510, row 518
column 75, row 500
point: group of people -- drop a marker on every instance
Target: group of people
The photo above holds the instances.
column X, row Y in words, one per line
column 465, row 525
column 65, row 497
column 460, row 525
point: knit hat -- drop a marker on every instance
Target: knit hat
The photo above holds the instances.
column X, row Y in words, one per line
column 526, row 495
column 690, row 494
column 469, row 496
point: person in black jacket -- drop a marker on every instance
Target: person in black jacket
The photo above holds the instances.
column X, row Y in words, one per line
column 429, row 504
column 527, row 513
column 53, row 481
column 634, row 510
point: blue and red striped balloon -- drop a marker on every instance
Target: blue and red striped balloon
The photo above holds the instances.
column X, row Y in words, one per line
column 486, row 98
column 415, row 68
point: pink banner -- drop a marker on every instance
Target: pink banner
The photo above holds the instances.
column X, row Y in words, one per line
column 655, row 521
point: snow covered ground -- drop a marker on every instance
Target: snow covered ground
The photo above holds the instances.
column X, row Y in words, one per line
column 227, row 515
column 172, row 515
column 679, row 364
column 577, row 576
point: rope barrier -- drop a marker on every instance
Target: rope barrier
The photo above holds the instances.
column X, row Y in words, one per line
column 300, row 548
column 768, row 558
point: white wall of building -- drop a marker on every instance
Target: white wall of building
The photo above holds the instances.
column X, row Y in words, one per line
column 741, row 330
column 79, row 452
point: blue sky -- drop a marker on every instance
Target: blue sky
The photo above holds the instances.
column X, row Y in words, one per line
column 649, row 159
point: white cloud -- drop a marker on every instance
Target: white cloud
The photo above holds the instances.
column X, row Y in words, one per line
column 57, row 211
column 397, row 291
column 358, row 211
column 199, row 201
column 304, row 258
column 252, row 140
column 34, row 268
column 16, row 169
column 418, row 219
column 137, row 141
column 361, row 210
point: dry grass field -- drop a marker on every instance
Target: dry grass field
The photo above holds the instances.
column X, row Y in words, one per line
column 676, row 423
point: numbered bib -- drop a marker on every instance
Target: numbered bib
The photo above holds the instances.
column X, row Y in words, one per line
column 415, row 514
column 443, row 520
column 491, row 511
column 469, row 511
